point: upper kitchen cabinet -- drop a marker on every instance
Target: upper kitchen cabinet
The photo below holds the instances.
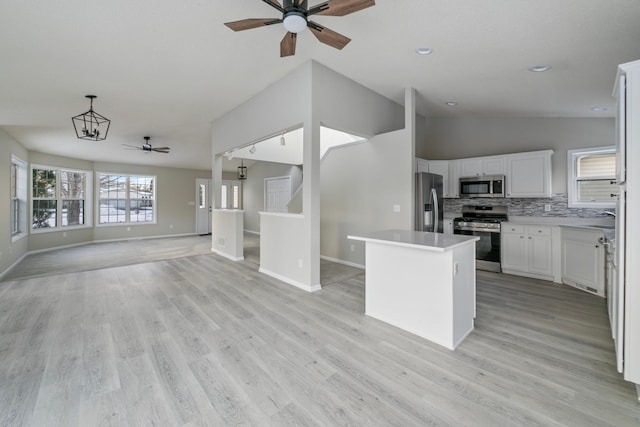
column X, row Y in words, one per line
column 449, row 179
column 478, row 166
column 422, row 165
column 529, row 174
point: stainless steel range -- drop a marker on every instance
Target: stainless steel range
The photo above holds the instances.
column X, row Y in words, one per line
column 483, row 222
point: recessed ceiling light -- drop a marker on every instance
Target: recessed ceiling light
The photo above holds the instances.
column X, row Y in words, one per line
column 424, row 51
column 540, row 68
column 599, row 109
column 452, row 103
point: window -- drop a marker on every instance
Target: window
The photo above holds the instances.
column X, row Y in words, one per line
column 59, row 197
column 126, row 199
column 592, row 177
column 18, row 192
column 230, row 195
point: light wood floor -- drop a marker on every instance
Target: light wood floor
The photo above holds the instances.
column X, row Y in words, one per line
column 201, row 340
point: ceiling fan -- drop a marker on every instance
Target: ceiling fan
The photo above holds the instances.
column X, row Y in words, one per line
column 295, row 17
column 147, row 148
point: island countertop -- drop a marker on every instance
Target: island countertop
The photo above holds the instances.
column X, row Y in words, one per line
column 437, row 242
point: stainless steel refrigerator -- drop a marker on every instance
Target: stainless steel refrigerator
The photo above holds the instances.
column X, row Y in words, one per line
column 428, row 202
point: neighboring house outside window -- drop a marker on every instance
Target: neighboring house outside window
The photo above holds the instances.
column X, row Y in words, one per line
column 18, row 192
column 59, row 198
column 591, row 174
column 126, row 199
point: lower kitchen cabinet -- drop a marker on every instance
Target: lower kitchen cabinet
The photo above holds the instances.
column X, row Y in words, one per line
column 528, row 250
column 447, row 226
column 583, row 259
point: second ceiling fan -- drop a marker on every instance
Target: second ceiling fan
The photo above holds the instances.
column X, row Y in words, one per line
column 295, row 17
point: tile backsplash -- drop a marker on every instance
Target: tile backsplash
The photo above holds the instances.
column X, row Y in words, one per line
column 528, row 207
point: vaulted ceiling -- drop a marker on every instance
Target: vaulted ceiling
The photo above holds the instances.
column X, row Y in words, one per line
column 168, row 68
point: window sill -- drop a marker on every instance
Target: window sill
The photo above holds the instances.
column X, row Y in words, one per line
column 125, row 224
column 59, row 229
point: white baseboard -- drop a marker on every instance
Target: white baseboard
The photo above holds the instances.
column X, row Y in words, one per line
column 227, row 256
column 343, row 262
column 295, row 283
column 124, row 239
column 13, row 265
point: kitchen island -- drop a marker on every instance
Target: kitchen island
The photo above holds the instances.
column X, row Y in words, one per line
column 424, row 283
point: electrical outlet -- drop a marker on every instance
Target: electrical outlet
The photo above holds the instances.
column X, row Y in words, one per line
column 353, row 248
column 299, row 263
column 547, row 207
column 64, row 234
column 128, row 228
column 170, row 226
column 396, row 208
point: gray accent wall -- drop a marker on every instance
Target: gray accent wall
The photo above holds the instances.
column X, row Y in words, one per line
column 10, row 252
column 456, row 138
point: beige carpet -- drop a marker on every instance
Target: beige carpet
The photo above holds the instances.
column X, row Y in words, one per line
column 104, row 255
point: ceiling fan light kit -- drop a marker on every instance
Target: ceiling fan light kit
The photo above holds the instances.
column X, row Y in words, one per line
column 295, row 18
column 88, row 125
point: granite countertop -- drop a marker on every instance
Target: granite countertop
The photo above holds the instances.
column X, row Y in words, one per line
column 417, row 239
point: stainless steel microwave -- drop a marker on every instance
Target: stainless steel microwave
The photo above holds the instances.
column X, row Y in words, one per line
column 482, row 186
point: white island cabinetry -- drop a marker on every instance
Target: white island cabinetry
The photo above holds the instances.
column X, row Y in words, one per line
column 421, row 282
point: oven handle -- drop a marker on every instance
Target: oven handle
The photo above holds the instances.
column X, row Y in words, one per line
column 484, row 230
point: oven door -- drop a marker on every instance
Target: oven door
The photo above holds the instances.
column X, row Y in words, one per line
column 487, row 248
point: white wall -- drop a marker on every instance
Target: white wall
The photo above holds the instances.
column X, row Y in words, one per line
column 455, row 138
column 360, row 184
column 310, row 95
column 9, row 252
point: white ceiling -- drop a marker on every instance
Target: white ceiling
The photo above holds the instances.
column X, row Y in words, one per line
column 168, row 68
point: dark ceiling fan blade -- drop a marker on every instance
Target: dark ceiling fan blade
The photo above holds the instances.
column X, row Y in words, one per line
column 327, row 36
column 131, row 147
column 340, row 7
column 164, row 150
column 288, row 45
column 247, row 24
column 275, row 3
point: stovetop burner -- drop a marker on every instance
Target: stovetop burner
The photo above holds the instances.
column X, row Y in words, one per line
column 485, row 214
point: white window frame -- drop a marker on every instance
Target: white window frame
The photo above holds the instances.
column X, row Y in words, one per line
column 21, row 198
column 231, row 194
column 87, row 205
column 572, row 178
column 127, row 221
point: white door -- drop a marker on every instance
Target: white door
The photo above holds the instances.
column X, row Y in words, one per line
column 277, row 194
column 203, row 206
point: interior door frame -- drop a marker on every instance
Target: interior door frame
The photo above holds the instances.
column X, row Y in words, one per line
column 208, row 205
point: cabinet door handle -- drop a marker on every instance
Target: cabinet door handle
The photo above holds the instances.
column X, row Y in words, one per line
column 597, row 246
column 613, row 195
column 529, row 237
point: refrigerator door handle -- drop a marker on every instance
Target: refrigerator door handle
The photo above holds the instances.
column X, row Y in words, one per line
column 436, row 208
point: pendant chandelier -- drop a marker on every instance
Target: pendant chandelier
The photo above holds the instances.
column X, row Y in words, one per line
column 91, row 125
column 242, row 170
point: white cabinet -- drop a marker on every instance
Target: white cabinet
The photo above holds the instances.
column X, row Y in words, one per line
column 454, row 179
column 529, row 174
column 422, row 165
column 478, row 166
column 527, row 250
column 441, row 167
column 447, row 226
column 583, row 259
